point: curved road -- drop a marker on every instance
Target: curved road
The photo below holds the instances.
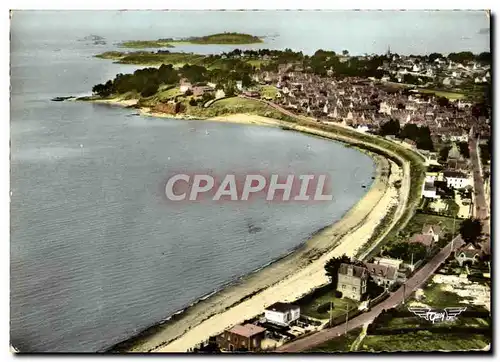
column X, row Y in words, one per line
column 396, row 298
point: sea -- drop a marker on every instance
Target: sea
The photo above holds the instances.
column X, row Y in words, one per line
column 97, row 254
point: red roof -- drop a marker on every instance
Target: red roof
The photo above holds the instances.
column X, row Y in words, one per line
column 247, row 330
column 426, row 240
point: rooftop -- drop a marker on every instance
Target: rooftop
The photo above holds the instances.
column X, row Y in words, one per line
column 422, row 239
column 357, row 271
column 379, row 270
column 281, row 307
column 247, row 330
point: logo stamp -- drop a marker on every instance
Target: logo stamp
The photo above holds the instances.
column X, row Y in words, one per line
column 438, row 315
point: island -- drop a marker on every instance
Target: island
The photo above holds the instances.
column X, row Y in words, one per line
column 220, row 38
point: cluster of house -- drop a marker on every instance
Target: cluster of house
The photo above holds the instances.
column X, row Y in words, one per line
column 439, row 71
column 250, row 337
column 365, row 104
column 385, row 272
column 456, row 175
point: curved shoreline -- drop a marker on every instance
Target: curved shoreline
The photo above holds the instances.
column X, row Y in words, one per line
column 215, row 312
column 286, row 280
column 302, row 271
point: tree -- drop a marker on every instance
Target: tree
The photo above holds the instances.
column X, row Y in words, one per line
column 345, row 52
column 390, row 127
column 434, row 56
column 332, row 268
column 188, row 93
column 150, row 89
column 470, row 230
column 443, row 101
column 443, row 153
column 404, row 250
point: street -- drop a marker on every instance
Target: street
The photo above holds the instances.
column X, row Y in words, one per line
column 480, row 205
column 417, row 280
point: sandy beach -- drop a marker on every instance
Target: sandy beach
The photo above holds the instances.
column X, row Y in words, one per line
column 296, row 274
column 291, row 277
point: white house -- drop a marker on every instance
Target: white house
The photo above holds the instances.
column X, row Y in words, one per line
column 429, row 190
column 282, row 314
column 395, row 263
column 468, row 253
column 239, row 85
column 433, row 230
column 456, row 179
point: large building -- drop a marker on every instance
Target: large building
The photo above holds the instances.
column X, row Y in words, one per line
column 352, row 281
column 246, row 337
column 456, row 179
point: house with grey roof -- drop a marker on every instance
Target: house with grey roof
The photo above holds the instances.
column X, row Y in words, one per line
column 352, row 281
column 383, row 275
column 468, row 254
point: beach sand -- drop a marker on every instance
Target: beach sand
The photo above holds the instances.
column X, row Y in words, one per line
column 289, row 278
column 293, row 276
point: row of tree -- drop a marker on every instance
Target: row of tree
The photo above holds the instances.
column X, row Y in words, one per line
column 147, row 81
column 421, row 135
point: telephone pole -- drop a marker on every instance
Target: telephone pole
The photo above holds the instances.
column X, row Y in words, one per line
column 346, row 316
column 453, row 235
column 331, row 307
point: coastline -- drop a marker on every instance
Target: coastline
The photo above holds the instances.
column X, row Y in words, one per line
column 287, row 278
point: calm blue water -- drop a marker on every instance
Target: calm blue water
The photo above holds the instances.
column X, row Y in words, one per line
column 96, row 252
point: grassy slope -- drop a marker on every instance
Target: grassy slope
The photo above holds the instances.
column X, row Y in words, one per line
column 310, row 308
column 340, row 344
column 423, row 341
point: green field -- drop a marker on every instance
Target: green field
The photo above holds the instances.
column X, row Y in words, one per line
column 436, row 296
column 339, row 306
column 441, row 93
column 235, row 105
column 268, row 91
column 423, row 341
column 340, row 344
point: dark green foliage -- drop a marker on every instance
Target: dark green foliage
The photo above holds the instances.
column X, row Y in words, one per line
column 433, row 56
column 404, row 250
column 149, row 89
column 461, row 57
column 390, row 127
column 464, row 149
column 470, row 230
column 332, row 268
column 485, row 152
column 443, row 153
column 103, row 90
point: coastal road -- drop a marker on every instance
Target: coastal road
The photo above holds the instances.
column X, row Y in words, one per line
column 480, row 205
column 419, row 278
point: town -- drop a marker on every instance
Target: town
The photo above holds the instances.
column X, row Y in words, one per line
column 439, row 107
